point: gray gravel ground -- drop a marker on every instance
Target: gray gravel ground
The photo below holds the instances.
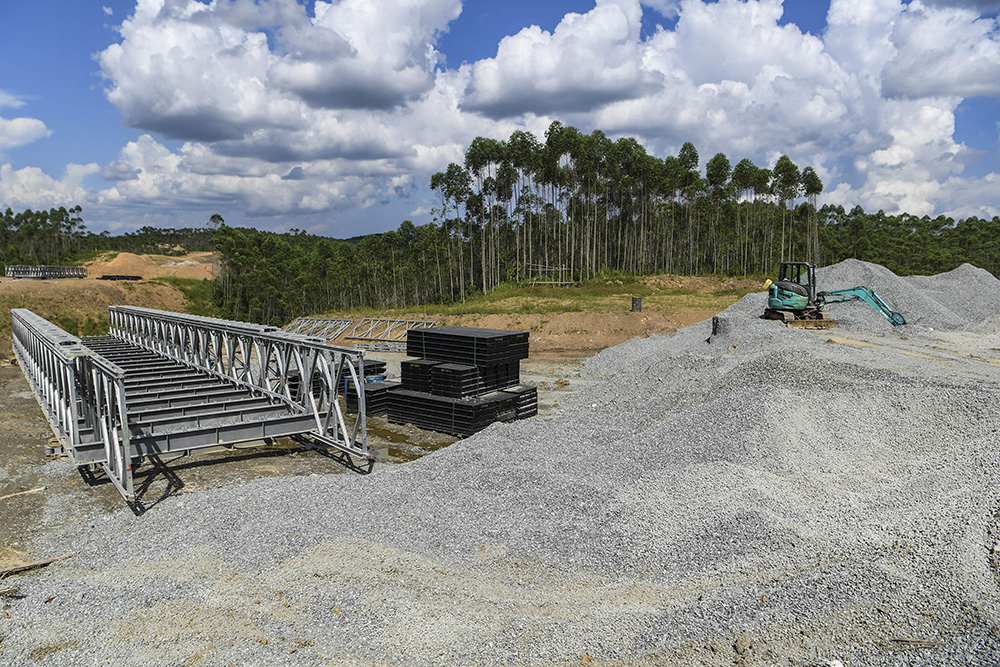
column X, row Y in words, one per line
column 760, row 496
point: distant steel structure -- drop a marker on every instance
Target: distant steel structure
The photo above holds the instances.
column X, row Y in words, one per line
column 23, row 271
column 328, row 329
column 384, row 334
column 167, row 383
column 549, row 275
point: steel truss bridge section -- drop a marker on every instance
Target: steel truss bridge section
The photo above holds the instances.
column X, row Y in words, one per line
column 327, row 329
column 23, row 271
column 166, row 384
column 81, row 393
column 384, row 334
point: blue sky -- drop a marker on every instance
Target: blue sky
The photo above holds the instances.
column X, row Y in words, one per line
column 333, row 116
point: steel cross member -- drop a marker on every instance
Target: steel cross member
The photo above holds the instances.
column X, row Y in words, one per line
column 382, row 330
column 328, row 329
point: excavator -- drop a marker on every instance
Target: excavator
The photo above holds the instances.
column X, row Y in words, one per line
column 795, row 301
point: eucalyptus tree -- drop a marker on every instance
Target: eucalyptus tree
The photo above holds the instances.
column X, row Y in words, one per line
column 787, row 185
column 812, row 188
column 482, row 159
column 523, row 151
column 455, row 187
column 742, row 182
column 690, row 187
column 717, row 172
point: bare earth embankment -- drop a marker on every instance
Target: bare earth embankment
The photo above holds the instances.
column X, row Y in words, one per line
column 762, row 495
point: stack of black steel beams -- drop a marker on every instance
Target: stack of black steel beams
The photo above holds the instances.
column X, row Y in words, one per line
column 456, row 416
column 416, row 374
column 526, row 400
column 460, row 380
column 376, row 397
column 455, row 380
column 465, row 379
column 374, row 367
column 467, row 345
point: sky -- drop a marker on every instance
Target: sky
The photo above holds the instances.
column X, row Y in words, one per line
column 331, row 117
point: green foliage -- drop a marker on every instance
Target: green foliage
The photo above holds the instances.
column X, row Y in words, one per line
column 566, row 207
column 81, row 325
column 58, row 237
column 197, row 294
column 909, row 245
column 40, row 237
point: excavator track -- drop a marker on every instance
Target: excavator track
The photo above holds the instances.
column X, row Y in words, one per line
column 809, row 319
column 812, row 324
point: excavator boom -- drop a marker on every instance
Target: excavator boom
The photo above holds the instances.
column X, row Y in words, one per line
column 863, row 294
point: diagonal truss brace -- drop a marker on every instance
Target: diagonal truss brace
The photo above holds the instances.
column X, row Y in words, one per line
column 381, row 330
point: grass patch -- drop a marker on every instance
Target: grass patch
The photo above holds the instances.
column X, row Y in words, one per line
column 197, row 293
column 81, row 325
column 603, row 294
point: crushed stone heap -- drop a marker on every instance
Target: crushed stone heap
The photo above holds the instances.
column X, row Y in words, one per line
column 763, row 495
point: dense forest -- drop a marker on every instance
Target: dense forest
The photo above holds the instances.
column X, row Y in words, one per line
column 569, row 208
column 577, row 206
column 276, row 277
column 59, row 237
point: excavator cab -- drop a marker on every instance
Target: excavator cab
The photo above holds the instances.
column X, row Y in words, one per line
column 795, row 301
column 795, row 289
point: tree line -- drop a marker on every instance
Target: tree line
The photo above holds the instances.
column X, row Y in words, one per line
column 577, row 204
column 571, row 207
column 274, row 278
column 59, row 237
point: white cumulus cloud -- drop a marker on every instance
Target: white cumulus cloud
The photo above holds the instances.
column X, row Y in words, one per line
column 364, row 53
column 943, row 51
column 30, row 187
column 16, row 132
column 587, row 61
column 288, row 108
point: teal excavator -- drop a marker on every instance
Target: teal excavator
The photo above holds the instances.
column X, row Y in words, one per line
column 795, row 301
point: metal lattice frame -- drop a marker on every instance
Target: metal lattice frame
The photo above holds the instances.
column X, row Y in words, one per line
column 81, row 393
column 379, row 330
column 328, row 329
column 304, row 373
column 46, row 271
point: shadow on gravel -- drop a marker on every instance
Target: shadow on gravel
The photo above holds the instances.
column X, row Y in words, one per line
column 160, row 478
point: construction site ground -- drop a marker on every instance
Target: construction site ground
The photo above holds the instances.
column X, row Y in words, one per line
column 736, row 493
column 559, row 342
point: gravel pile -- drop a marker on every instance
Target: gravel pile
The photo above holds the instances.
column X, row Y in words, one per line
column 756, row 495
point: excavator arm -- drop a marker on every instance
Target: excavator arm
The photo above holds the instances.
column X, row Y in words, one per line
column 863, row 294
